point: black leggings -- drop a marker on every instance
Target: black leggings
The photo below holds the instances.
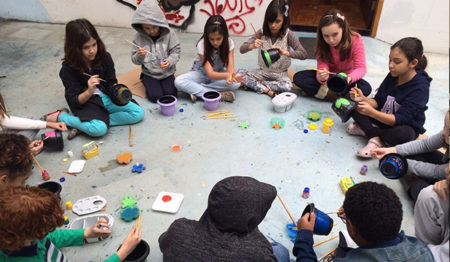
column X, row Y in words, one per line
column 307, row 81
column 156, row 88
column 391, row 136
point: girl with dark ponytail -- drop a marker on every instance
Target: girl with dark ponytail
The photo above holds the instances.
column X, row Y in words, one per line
column 396, row 114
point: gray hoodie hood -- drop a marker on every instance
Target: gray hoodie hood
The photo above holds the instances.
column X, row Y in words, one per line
column 149, row 12
column 166, row 47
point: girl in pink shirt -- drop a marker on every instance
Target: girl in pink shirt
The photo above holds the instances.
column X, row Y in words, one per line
column 338, row 49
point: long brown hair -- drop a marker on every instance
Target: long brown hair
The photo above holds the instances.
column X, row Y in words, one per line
column 273, row 9
column 322, row 51
column 28, row 213
column 216, row 23
column 78, row 32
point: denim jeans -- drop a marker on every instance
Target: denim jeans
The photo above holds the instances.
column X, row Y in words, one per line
column 280, row 252
column 198, row 83
column 119, row 115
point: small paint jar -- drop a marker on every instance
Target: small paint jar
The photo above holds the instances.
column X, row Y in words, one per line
column 305, row 193
column 161, row 61
column 363, row 170
column 326, row 126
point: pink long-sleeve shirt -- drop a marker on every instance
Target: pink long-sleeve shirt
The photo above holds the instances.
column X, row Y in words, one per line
column 354, row 66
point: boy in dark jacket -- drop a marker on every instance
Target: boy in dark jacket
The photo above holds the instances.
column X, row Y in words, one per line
column 372, row 213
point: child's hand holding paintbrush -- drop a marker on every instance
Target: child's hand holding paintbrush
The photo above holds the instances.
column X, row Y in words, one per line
column 356, row 94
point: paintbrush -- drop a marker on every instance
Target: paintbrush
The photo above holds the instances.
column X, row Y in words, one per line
column 287, row 210
column 92, row 76
column 319, row 70
column 256, row 34
column 138, row 223
column 137, row 46
column 45, row 174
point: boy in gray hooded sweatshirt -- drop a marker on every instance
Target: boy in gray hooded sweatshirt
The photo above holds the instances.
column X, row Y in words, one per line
column 160, row 50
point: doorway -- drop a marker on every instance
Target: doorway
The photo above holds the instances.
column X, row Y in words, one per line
column 362, row 15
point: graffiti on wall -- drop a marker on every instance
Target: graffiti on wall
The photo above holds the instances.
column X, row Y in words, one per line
column 179, row 13
column 236, row 9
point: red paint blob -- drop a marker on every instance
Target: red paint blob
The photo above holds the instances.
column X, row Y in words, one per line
column 166, row 198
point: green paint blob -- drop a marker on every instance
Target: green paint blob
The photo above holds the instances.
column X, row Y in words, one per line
column 128, row 202
column 314, row 115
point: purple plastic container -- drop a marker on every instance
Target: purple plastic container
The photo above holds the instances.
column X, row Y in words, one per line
column 167, row 104
column 211, row 99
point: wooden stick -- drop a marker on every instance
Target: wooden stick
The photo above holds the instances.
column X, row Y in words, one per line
column 131, row 138
column 287, row 210
column 335, row 212
column 222, row 117
column 216, row 111
column 321, row 242
column 137, row 45
column 329, row 252
column 92, row 76
column 35, row 160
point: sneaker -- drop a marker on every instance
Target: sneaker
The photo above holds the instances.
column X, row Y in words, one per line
column 193, row 98
column 227, row 96
column 355, row 130
column 53, row 116
column 73, row 132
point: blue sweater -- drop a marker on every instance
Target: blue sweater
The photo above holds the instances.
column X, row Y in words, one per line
column 408, row 102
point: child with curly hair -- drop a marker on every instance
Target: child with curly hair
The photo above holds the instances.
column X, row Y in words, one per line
column 373, row 215
column 15, row 161
column 28, row 223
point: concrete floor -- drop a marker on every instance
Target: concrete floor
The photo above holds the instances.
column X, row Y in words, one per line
column 211, row 149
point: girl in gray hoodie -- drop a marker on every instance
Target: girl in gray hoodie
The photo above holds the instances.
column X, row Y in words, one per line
column 160, row 50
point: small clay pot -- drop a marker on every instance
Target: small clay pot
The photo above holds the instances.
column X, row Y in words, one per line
column 393, row 166
column 323, row 224
column 270, row 56
column 139, row 254
column 120, row 94
column 51, row 186
column 167, row 104
column 53, row 140
column 338, row 83
column 211, row 99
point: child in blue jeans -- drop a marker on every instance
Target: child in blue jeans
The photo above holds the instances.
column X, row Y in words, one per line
column 213, row 67
column 86, row 71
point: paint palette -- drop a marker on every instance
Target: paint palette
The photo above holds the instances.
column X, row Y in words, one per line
column 167, row 202
column 88, row 205
column 89, row 221
column 76, row 166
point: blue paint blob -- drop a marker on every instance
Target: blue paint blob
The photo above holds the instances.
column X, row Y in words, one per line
column 181, row 110
column 94, row 186
column 129, row 213
column 62, row 179
column 305, row 131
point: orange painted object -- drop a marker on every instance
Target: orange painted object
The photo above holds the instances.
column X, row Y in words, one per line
column 176, row 148
column 124, row 158
column 277, row 126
